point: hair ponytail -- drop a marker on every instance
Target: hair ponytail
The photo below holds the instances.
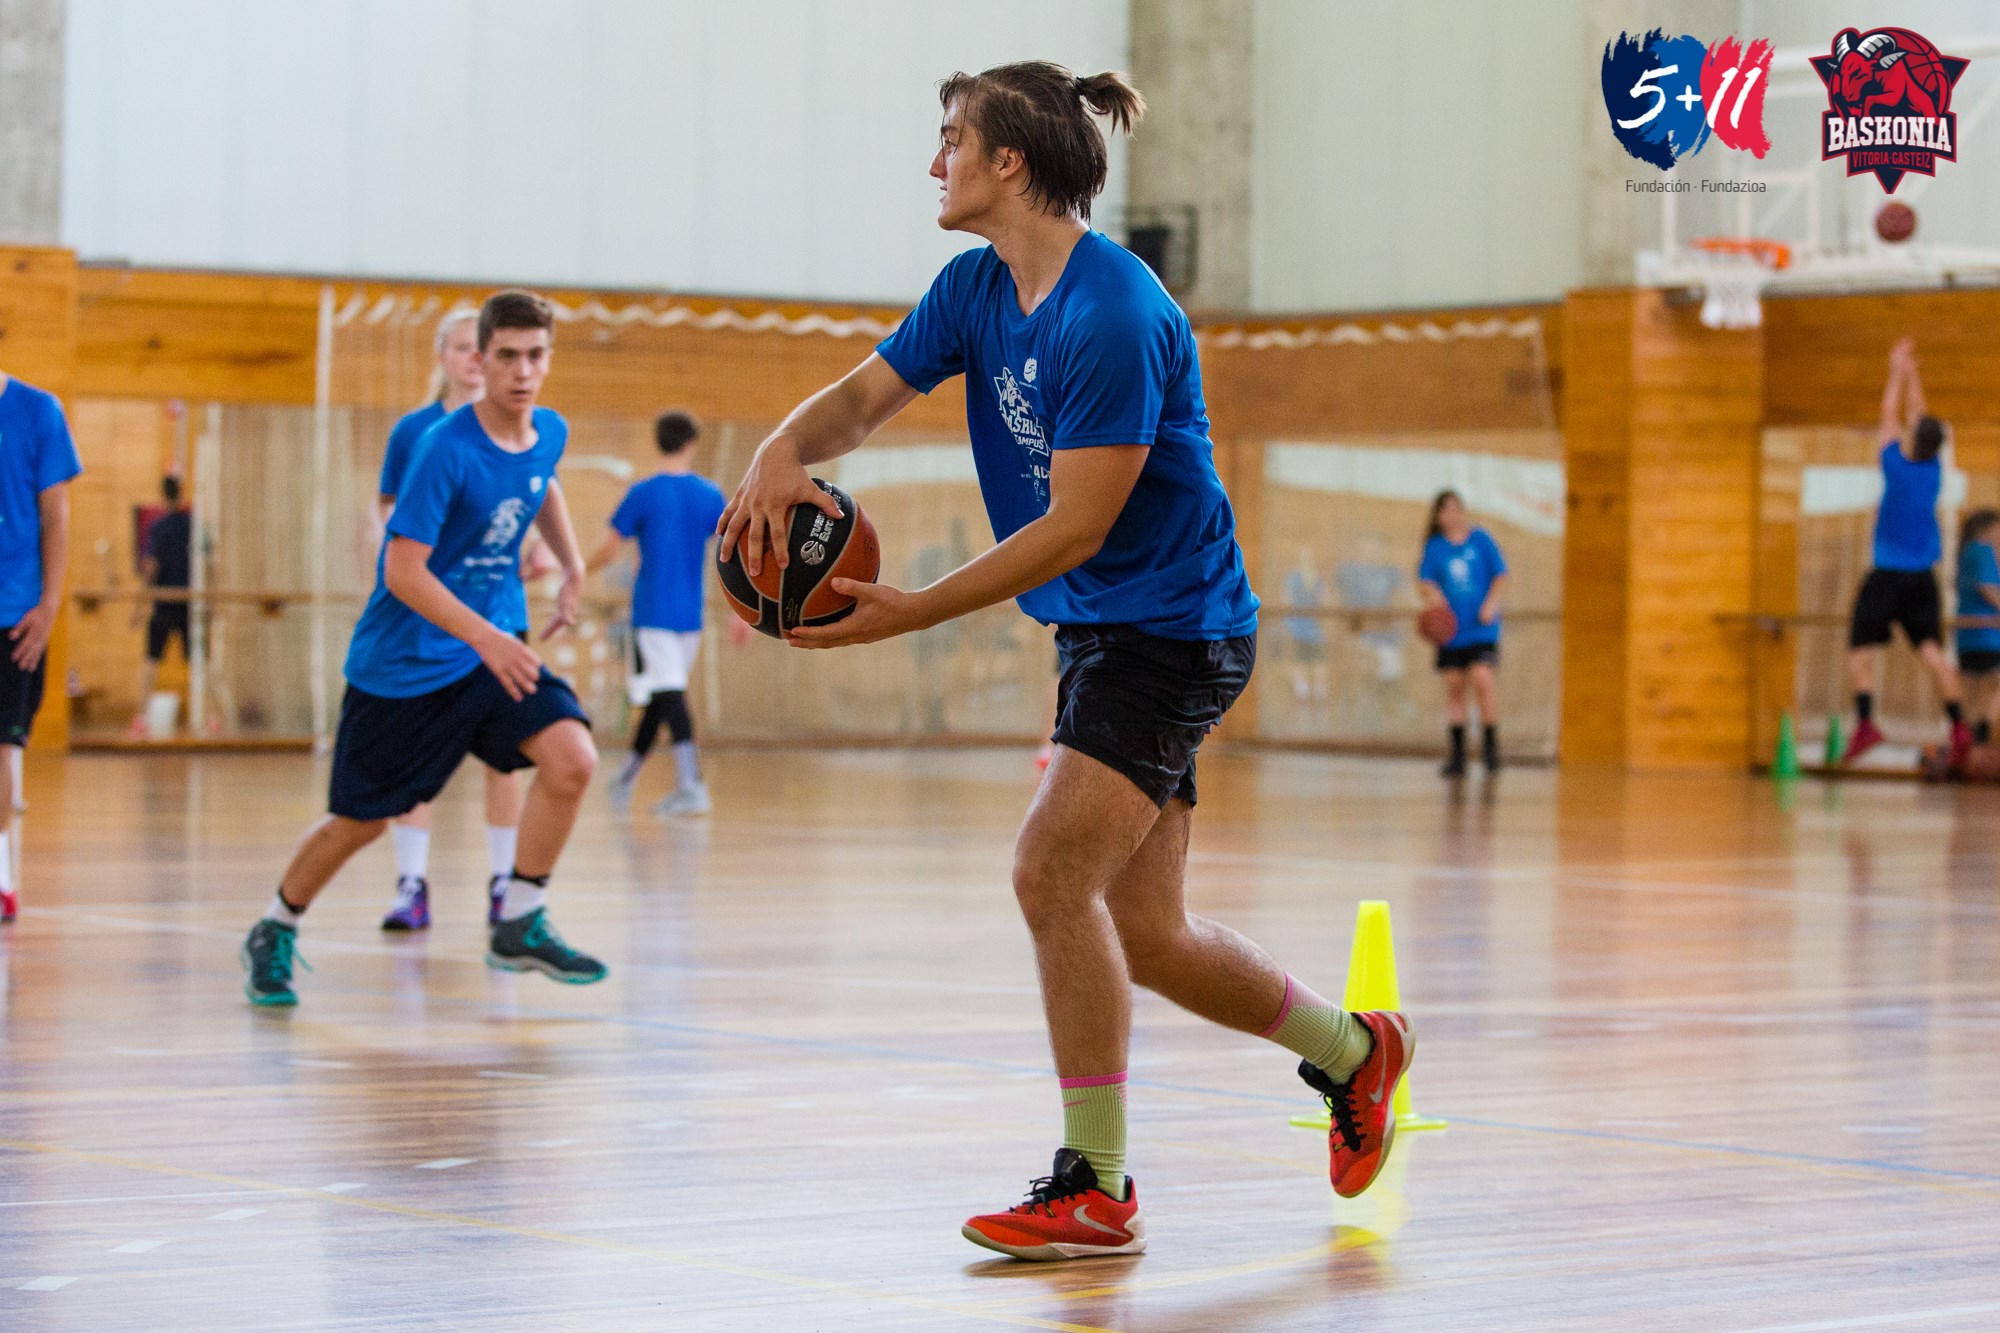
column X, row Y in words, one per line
column 1111, row 94
column 1043, row 112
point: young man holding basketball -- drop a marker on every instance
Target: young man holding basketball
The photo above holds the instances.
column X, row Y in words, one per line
column 1083, row 400
column 434, row 676
column 1902, row 587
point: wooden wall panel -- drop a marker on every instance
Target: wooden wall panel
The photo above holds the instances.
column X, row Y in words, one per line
column 1827, row 355
column 38, row 344
column 1597, row 390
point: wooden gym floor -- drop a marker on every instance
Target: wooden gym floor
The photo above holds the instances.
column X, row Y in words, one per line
column 1712, row 1060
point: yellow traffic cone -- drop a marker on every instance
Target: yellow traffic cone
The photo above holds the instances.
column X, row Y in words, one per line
column 1371, row 984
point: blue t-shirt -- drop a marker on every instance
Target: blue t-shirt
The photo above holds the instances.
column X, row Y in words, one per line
column 1464, row 572
column 472, row 502
column 36, row 453
column 403, row 437
column 1107, row 358
column 1977, row 565
column 672, row 516
column 1906, row 525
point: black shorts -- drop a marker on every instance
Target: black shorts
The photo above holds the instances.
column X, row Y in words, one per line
column 169, row 619
column 1458, row 659
column 1978, row 661
column 1141, row 704
column 20, row 695
column 1906, row 597
column 392, row 755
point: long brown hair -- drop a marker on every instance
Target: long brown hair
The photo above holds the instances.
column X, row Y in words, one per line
column 1038, row 108
column 1433, row 528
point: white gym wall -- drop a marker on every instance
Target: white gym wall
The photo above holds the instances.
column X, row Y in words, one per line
column 763, row 147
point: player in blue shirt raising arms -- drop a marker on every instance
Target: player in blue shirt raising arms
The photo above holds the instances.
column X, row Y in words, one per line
column 433, row 674
column 37, row 461
column 1902, row 588
column 1090, row 440
column 456, row 381
column 1462, row 568
column 672, row 516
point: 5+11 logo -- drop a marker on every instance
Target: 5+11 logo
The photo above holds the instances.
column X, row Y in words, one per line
column 1668, row 95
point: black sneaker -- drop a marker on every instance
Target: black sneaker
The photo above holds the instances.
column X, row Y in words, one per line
column 267, row 955
column 1489, row 755
column 1454, row 767
column 530, row 944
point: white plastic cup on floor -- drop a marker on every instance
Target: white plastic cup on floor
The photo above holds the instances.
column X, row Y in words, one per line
column 162, row 711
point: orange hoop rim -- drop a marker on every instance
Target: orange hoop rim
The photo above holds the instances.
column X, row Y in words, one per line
column 1769, row 253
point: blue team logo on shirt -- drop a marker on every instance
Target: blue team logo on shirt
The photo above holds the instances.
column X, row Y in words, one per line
column 1019, row 414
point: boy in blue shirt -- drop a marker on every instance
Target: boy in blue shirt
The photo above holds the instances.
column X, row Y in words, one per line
column 1462, row 568
column 456, row 381
column 1901, row 588
column 434, row 676
column 671, row 515
column 37, row 461
column 1090, row 439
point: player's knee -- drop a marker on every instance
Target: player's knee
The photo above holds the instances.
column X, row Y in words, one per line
column 358, row 833
column 564, row 758
column 1047, row 896
column 1148, row 947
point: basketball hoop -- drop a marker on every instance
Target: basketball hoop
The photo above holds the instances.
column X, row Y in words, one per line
column 1733, row 271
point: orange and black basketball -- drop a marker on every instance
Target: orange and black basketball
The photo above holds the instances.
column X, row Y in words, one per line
column 822, row 548
column 1437, row 624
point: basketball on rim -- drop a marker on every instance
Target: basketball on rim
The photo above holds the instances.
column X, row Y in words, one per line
column 820, row 548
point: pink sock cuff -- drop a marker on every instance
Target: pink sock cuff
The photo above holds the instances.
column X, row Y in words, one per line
column 1095, row 1081
column 1284, row 1010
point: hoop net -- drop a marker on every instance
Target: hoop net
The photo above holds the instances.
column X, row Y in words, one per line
column 1734, row 270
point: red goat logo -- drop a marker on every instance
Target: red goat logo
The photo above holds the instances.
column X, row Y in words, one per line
column 1889, row 90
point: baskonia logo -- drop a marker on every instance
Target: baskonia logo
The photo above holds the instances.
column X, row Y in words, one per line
column 1668, row 95
column 1890, row 94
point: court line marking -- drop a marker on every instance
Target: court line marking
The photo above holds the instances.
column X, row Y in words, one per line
column 444, row 1163
column 127, row 1198
column 137, row 1246
column 1880, row 1320
column 236, row 1214
column 883, row 1052
column 555, row 1237
column 45, row 1284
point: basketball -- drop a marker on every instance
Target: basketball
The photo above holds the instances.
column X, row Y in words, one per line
column 822, row 549
column 1895, row 222
column 1437, row 624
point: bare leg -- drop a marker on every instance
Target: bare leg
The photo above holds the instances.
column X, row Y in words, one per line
column 1487, row 692
column 564, row 758
column 1454, row 697
column 1941, row 669
column 1202, row 966
column 7, row 790
column 417, row 817
column 1861, row 669
column 327, row 847
column 1085, row 824
column 503, row 799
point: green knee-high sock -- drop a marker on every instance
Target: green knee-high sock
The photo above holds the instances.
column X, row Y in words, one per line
column 1094, row 1125
column 1320, row 1031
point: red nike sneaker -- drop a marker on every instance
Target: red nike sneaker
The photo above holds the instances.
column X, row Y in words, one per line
column 1363, row 1108
column 1066, row 1216
column 10, row 905
column 1961, row 749
column 1865, row 738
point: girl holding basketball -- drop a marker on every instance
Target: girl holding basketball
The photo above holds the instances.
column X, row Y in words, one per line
column 1462, row 569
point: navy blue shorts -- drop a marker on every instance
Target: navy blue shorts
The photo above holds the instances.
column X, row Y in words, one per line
column 20, row 694
column 392, row 755
column 1141, row 704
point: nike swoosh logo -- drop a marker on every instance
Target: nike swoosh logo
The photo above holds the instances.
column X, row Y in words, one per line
column 1083, row 1215
column 1078, row 1102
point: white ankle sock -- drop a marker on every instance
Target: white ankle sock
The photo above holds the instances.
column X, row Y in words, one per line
column 281, row 912
column 6, row 856
column 522, row 898
column 413, row 850
column 500, row 840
